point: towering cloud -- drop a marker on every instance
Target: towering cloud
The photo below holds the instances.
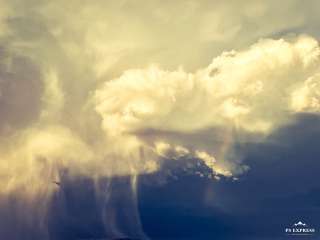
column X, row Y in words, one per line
column 145, row 116
column 252, row 91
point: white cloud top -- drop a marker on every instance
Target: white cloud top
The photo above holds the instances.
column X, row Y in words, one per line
column 255, row 90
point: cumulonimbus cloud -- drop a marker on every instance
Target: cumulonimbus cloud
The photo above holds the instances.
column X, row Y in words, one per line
column 152, row 115
column 107, row 118
column 255, row 91
column 76, row 94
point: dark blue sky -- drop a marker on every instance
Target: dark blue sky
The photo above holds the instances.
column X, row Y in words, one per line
column 280, row 189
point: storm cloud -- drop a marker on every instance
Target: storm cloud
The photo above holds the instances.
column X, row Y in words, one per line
column 113, row 90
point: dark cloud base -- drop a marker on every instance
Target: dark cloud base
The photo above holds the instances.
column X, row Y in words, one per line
column 280, row 189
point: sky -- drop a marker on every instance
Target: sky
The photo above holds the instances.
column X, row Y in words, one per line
column 158, row 119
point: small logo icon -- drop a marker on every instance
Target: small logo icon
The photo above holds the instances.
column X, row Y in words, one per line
column 300, row 228
column 299, row 224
